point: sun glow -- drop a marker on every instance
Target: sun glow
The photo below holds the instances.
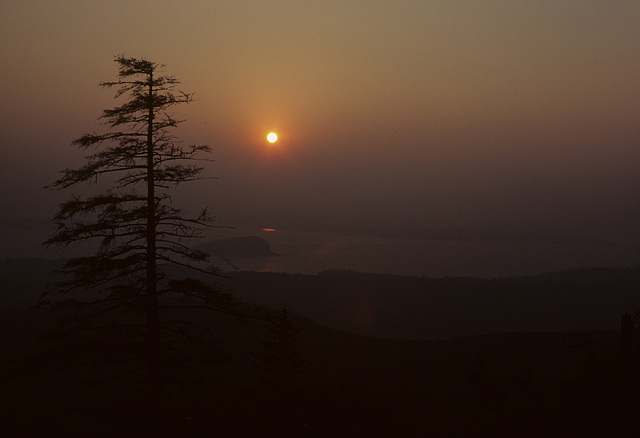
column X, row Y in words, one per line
column 272, row 137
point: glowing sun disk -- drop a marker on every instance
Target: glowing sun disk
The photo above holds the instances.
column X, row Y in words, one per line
column 272, row 137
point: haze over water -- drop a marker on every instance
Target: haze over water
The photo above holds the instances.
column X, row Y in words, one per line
column 311, row 253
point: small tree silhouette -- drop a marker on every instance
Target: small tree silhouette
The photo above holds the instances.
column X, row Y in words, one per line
column 279, row 358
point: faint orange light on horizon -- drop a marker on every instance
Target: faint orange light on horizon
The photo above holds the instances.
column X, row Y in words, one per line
column 268, row 229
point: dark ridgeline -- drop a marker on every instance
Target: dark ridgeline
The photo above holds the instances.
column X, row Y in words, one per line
column 384, row 305
column 555, row 382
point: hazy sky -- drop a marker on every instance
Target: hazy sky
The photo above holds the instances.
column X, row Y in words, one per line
column 520, row 115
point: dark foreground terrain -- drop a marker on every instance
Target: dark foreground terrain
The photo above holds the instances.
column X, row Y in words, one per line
column 554, row 382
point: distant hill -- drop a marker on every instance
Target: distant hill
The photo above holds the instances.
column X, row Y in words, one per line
column 248, row 246
column 499, row 385
column 394, row 306
column 381, row 305
column 523, row 383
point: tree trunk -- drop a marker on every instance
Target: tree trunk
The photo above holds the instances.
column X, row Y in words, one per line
column 154, row 389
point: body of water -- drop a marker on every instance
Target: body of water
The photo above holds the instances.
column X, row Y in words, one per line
column 310, row 253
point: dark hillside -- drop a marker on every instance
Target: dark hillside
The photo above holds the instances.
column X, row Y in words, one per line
column 513, row 384
column 406, row 307
column 538, row 364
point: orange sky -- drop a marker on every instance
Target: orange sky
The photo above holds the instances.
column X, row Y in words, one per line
column 518, row 114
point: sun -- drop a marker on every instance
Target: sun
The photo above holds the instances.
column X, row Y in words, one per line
column 272, row 137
